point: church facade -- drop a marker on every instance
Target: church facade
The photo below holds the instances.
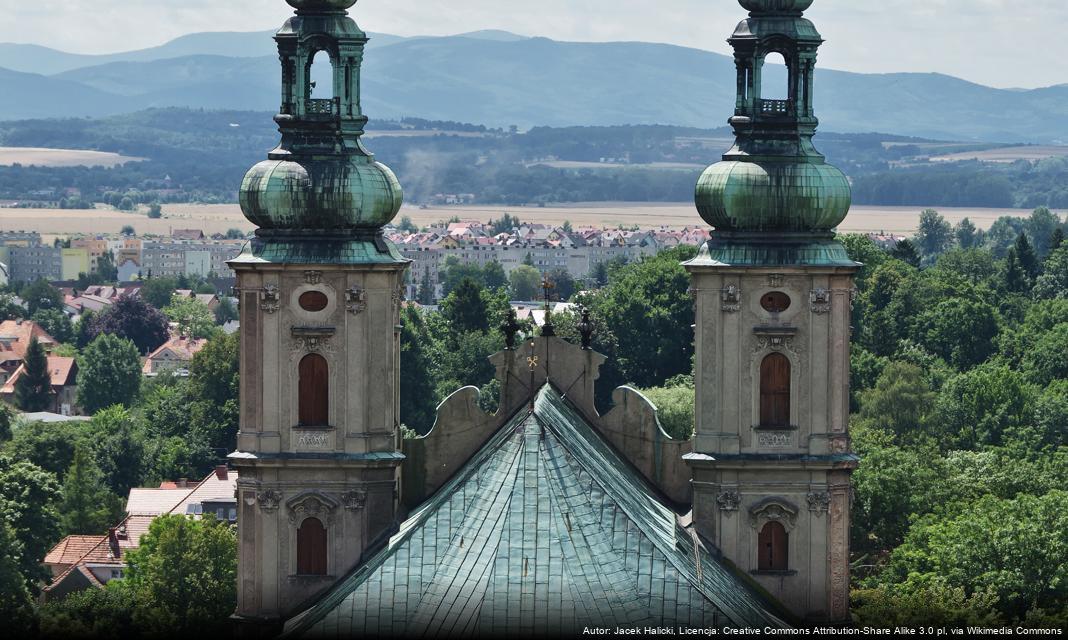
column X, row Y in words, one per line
column 545, row 517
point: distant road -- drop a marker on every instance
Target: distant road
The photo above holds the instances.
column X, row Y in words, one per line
column 219, row 218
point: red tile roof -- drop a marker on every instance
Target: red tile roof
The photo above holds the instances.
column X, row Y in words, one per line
column 15, row 336
column 62, row 370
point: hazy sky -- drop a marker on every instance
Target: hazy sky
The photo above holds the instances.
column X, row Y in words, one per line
column 1002, row 43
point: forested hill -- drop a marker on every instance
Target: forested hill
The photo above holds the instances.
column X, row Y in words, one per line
column 502, row 80
column 201, row 156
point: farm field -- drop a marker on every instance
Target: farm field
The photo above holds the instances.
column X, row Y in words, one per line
column 1007, row 154
column 61, row 157
column 52, row 223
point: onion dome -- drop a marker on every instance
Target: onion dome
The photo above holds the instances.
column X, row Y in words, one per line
column 773, row 196
column 341, row 193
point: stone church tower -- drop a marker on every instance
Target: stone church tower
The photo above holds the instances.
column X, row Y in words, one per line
column 772, row 461
column 320, row 289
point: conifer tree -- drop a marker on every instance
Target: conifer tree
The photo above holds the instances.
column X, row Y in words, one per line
column 1025, row 254
column 1015, row 276
column 33, row 389
column 906, row 252
column 1056, row 240
column 426, row 289
column 87, row 506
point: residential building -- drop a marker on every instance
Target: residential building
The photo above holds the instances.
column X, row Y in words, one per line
column 64, row 395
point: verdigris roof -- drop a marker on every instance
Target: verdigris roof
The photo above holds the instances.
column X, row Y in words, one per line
column 545, row 530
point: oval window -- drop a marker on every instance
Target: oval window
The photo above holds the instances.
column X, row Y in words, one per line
column 775, row 302
column 313, row 301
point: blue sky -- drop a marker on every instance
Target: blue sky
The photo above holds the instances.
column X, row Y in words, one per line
column 1002, row 43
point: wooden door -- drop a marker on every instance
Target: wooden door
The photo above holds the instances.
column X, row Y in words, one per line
column 314, row 391
column 773, row 548
column 775, row 391
column 311, row 548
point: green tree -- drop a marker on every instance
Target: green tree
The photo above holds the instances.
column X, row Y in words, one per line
column 28, row 496
column 906, row 251
column 184, row 576
column 225, row 312
column 1016, row 279
column 1012, row 548
column 55, row 323
column 214, row 391
column 1051, row 414
column 1057, row 239
column 118, row 446
column 158, row 291
column 455, row 272
column 100, row 614
column 425, row 295
column 966, row 234
column 87, row 506
column 49, row 445
column 193, row 317
column 465, row 308
column 981, row 406
column 936, row 605
column 16, row 607
column 1045, row 361
column 900, row 401
column 528, row 260
column 9, row 309
column 1025, row 253
column 128, row 230
column 648, row 310
column 406, row 225
column 934, row 234
column 155, row 211
column 675, row 406
column 41, row 295
column 525, row 282
column 114, row 367
column 493, row 275
column 416, row 377
column 563, row 284
column 1040, row 226
column 962, row 331
column 83, row 330
column 6, row 418
column 1054, row 282
column 33, row 389
column 106, row 268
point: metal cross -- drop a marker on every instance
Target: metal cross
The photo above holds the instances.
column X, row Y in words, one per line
column 532, row 362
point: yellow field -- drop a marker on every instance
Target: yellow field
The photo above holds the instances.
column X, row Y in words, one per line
column 61, row 157
column 53, row 223
column 1007, row 154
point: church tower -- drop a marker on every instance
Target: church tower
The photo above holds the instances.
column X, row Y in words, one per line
column 773, row 288
column 320, row 290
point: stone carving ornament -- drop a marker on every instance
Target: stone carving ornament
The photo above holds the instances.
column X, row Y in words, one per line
column 270, row 300
column 354, row 500
column 313, row 277
column 269, row 500
column 773, row 510
column 731, row 299
column 356, row 299
column 819, row 502
column 316, row 343
column 820, row 300
column 311, row 506
column 777, row 343
column 728, row 501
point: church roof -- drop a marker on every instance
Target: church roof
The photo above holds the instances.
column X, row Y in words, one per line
column 545, row 529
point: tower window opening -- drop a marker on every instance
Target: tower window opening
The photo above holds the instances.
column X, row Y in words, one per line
column 774, row 78
column 321, row 77
column 775, row 302
column 774, row 548
column 314, row 391
column 311, row 548
column 775, row 391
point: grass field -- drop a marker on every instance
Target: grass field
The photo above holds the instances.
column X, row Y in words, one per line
column 53, row 223
column 61, row 157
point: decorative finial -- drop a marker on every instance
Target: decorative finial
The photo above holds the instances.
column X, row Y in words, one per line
column 510, row 328
column 547, row 327
column 776, row 7
column 585, row 329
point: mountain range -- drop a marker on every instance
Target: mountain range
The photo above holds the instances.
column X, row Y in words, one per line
column 501, row 79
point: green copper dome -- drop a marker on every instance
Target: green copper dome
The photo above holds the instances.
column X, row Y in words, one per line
column 333, row 193
column 772, row 196
column 776, row 7
column 321, row 5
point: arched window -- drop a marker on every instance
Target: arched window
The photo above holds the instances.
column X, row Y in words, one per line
column 774, row 83
column 314, row 391
column 774, row 548
column 311, row 548
column 775, row 391
column 321, row 76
